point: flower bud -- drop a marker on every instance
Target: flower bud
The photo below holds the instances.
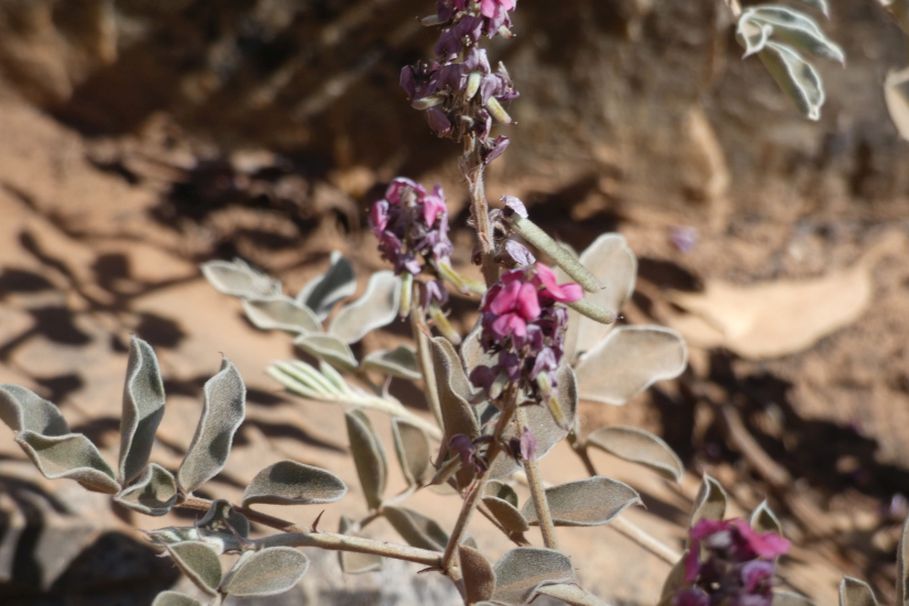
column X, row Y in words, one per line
column 473, row 85
column 498, row 112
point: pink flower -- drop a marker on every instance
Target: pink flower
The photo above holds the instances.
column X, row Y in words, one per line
column 494, row 8
column 547, row 280
column 514, row 303
column 433, row 206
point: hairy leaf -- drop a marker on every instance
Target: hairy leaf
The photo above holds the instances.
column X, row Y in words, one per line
column 71, row 456
column 399, row 362
column 412, row 448
column 521, row 570
column 323, row 292
column 796, row 77
column 143, row 409
column 589, row 502
column 764, row 520
column 569, row 593
column 675, row 580
column 175, row 598
column 630, row 360
column 710, row 503
column 638, row 446
column 377, row 307
column 854, row 592
column 479, row 577
column 24, row 410
column 199, row 562
column 791, row 28
column 415, row 528
column 223, row 410
column 352, row 562
column 507, row 514
column 328, row 348
column 238, row 279
column 454, row 392
column 613, row 263
column 154, row 493
column 279, row 312
column 270, row 571
column 221, row 517
column 292, row 483
column 501, row 490
column 369, row 457
column 563, row 257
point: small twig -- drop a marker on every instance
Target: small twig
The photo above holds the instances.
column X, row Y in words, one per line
column 424, row 357
column 472, row 166
column 643, row 538
column 295, row 536
column 537, row 492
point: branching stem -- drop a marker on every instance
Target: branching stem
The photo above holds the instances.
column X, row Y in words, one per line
column 537, row 492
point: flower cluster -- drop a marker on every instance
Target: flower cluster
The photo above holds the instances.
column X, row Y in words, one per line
column 523, row 326
column 459, row 91
column 730, row 564
column 411, row 225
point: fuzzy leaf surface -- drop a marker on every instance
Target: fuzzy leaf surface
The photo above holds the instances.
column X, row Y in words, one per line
column 154, row 493
column 589, row 502
column 369, row 457
column 143, row 409
column 521, row 570
column 271, row 571
column 638, row 446
column 292, row 483
column 377, row 307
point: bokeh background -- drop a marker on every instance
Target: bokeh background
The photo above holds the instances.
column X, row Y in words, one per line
column 139, row 138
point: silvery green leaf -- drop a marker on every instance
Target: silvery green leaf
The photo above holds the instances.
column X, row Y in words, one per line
column 793, row 29
column 454, row 391
column 279, row 312
column 223, row 410
column 613, row 263
column 479, row 577
column 399, row 362
column 143, row 409
column 238, row 279
column 638, row 446
column 764, row 520
column 71, row 456
column 854, row 592
column 501, row 490
column 42, row 432
column 472, row 352
column 175, row 598
column 787, row 598
column 563, row 257
column 753, row 36
column 222, row 518
column 675, row 580
column 292, row 483
column 710, row 503
column 589, row 502
column 24, row 410
column 896, row 94
column 415, row 528
column 352, row 562
column 323, row 292
column 902, row 567
column 199, row 562
column 328, row 348
column 412, row 448
column 820, row 5
column 270, row 571
column 154, row 493
column 569, row 593
column 507, row 514
column 302, row 378
column 377, row 307
column 796, row 77
column 368, row 456
column 629, row 360
column 521, row 570
column 545, row 429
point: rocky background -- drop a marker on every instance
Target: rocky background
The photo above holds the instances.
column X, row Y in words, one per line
column 142, row 137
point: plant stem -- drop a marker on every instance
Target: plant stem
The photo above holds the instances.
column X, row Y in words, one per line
column 537, row 492
column 472, row 166
column 646, row 540
column 424, row 357
column 476, row 491
column 298, row 537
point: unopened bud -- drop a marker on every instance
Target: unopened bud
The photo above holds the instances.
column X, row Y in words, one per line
column 427, row 102
column 406, row 293
column 473, row 84
column 505, row 32
column 431, row 20
column 498, row 112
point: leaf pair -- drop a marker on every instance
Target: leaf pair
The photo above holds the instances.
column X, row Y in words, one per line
column 269, row 571
column 778, row 35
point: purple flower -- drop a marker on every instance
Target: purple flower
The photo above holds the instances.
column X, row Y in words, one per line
column 523, row 325
column 728, row 562
column 411, row 225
